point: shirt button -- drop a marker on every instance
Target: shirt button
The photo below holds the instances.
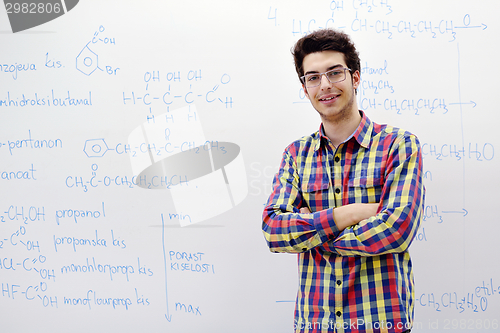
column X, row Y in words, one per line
column 337, row 190
column 339, row 282
column 338, row 313
column 337, row 159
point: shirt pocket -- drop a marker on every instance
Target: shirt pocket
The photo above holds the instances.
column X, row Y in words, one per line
column 316, row 194
column 366, row 186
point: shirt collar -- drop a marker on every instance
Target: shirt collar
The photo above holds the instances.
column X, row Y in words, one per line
column 362, row 134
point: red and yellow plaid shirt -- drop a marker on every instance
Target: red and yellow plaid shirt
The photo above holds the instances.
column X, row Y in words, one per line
column 359, row 279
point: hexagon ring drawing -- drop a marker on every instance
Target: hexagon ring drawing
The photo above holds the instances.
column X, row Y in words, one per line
column 86, row 61
column 95, row 148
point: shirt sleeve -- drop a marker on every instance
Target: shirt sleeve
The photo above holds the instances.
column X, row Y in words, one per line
column 402, row 200
column 284, row 227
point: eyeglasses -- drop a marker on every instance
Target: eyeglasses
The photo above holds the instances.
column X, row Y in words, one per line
column 314, row 79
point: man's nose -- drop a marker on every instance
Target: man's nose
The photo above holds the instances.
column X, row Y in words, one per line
column 324, row 82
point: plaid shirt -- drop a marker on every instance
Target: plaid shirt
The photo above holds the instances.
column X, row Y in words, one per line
column 359, row 279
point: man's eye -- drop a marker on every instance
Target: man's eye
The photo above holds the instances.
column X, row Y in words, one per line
column 312, row 78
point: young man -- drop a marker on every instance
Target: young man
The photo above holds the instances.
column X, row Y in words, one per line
column 348, row 199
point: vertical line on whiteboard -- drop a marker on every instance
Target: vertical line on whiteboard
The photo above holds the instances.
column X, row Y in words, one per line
column 463, row 147
column 167, row 315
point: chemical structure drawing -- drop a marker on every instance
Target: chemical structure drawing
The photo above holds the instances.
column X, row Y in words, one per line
column 95, row 148
column 87, row 61
column 175, row 88
column 169, row 151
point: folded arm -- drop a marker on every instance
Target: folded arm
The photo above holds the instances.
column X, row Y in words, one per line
column 354, row 229
column 288, row 224
column 398, row 218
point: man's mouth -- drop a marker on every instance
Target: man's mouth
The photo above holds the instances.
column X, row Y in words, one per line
column 329, row 98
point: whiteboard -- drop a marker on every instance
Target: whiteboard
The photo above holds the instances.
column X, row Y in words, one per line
column 138, row 141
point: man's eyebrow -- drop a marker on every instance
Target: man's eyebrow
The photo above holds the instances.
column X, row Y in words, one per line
column 328, row 69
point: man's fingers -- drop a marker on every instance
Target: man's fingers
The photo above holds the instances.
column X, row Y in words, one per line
column 305, row 210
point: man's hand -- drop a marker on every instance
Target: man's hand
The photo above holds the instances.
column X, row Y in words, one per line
column 352, row 214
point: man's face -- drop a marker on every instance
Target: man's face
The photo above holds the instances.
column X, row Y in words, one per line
column 333, row 101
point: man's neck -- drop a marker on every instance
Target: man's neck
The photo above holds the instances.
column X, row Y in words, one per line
column 339, row 131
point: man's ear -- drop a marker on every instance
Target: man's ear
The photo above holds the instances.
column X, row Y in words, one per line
column 356, row 79
column 305, row 92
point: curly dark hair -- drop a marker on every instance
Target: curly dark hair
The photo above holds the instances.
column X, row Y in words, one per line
column 326, row 40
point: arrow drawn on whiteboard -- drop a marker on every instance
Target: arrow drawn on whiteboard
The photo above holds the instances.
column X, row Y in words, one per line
column 471, row 102
column 463, row 211
column 483, row 26
column 168, row 316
